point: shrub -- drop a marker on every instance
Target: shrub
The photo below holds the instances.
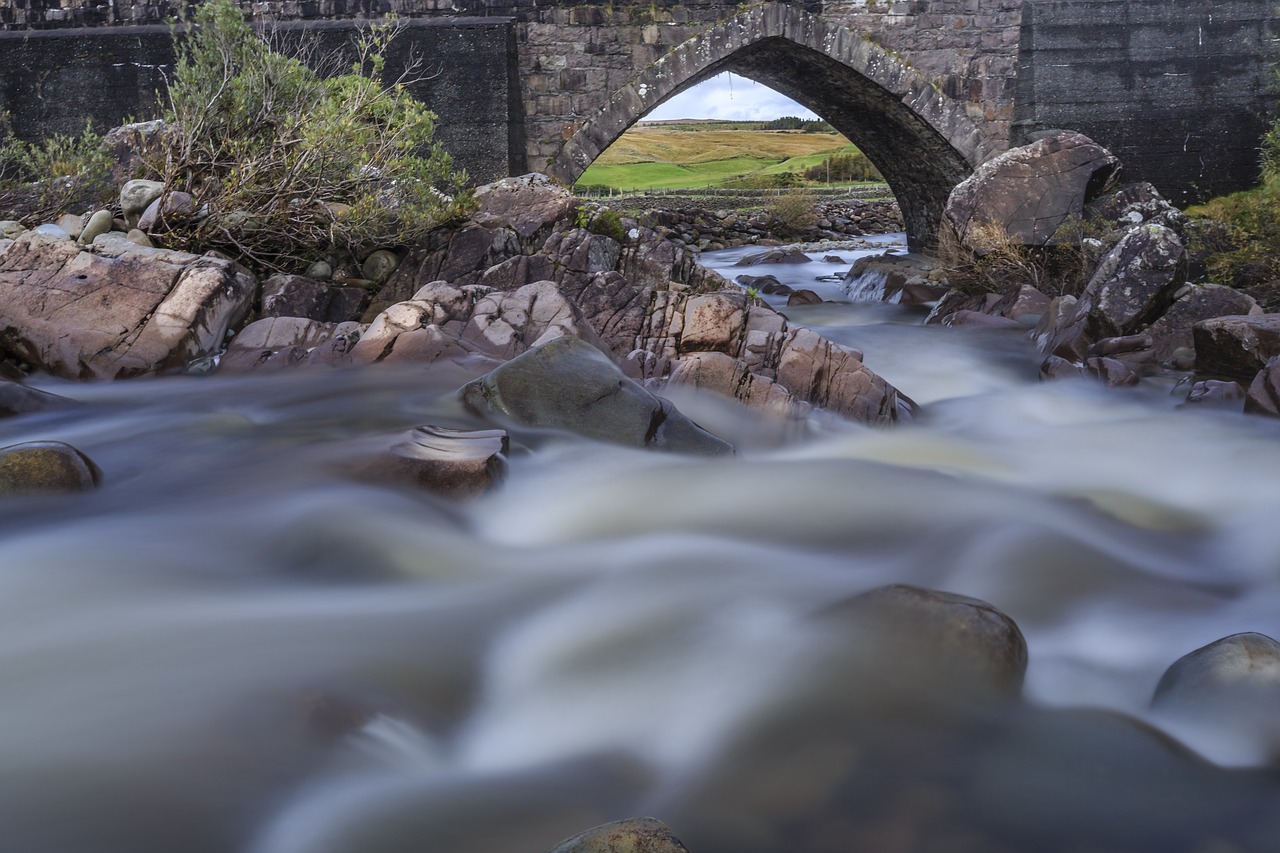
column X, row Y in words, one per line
column 794, row 211
column 1002, row 264
column 284, row 164
column 40, row 181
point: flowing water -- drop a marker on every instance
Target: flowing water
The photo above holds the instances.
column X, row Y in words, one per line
column 230, row 647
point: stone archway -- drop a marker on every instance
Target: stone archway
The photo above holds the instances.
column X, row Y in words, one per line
column 920, row 139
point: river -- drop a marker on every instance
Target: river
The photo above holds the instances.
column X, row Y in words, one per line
column 230, row 648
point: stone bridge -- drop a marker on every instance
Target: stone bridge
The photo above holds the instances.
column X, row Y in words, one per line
column 927, row 88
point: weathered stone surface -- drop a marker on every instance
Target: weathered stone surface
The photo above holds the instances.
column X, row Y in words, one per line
column 1057, row 367
column 1236, row 347
column 774, row 256
column 1027, row 192
column 727, row 376
column 1263, row 396
column 46, row 466
column 1133, row 286
column 569, row 384
column 166, row 210
column 296, row 296
column 379, row 265
column 136, row 196
column 108, row 311
column 1199, row 302
column 1241, row 667
column 528, row 205
column 713, row 323
column 1216, row 392
column 1113, row 372
column 981, row 320
column 942, row 640
column 897, row 279
column 633, row 835
column 275, row 342
column 1135, row 204
column 18, row 399
column 452, row 462
column 803, row 297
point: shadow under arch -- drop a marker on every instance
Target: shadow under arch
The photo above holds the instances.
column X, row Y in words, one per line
column 921, row 140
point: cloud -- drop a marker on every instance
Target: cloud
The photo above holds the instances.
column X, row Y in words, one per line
column 728, row 96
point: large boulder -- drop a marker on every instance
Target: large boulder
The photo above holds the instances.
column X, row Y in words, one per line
column 1196, row 303
column 1025, row 193
column 569, row 384
column 1133, row 286
column 1236, row 346
column 114, row 309
column 297, row 296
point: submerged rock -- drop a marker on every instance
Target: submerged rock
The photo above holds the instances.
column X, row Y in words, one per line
column 18, row 399
column 46, row 466
column 571, row 385
column 633, row 835
column 452, row 462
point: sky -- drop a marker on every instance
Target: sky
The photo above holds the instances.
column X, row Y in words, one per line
column 728, row 96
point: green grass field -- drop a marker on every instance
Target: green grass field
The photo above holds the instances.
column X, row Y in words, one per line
column 696, row 155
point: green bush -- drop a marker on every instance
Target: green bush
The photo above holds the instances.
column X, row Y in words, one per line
column 285, row 165
column 841, row 168
column 793, row 212
column 40, row 181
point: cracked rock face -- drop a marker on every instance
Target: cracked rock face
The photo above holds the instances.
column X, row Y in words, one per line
column 1027, row 192
column 115, row 310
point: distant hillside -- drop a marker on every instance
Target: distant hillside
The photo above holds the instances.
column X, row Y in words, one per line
column 698, row 153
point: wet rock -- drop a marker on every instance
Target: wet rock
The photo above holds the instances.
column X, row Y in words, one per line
column 951, row 302
column 727, row 376
column 633, row 835
column 46, row 466
column 1198, row 302
column 18, row 399
column 114, row 310
column 452, row 462
column 1026, row 306
column 941, row 640
column 785, row 255
column 892, row 278
column 764, row 283
column 1241, row 666
column 1238, row 346
column 1113, row 372
column 803, row 297
column 1263, row 396
column 1216, row 392
column 1115, row 346
column 569, row 384
column 980, row 320
column 296, row 296
column 275, row 342
column 1027, row 192
column 832, row 259
column 1057, row 367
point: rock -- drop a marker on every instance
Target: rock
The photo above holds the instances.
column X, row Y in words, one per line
column 1056, row 367
column 165, row 210
column 1173, row 329
column 1236, row 347
column 46, row 466
column 1183, row 358
column 941, row 641
column 1135, row 204
column 978, row 319
column 528, row 205
column 1115, row 373
column 569, row 384
column 1025, row 193
column 138, row 237
column 295, row 296
column 18, row 399
column 1263, row 396
column 130, row 144
column 774, row 256
column 136, row 196
column 727, row 376
column 99, row 223
column 803, row 297
column 713, row 323
column 892, row 278
column 633, row 835
column 53, row 233
column 11, row 229
column 764, row 283
column 104, row 312
column 71, row 224
column 832, row 259
column 1132, row 287
column 951, row 302
column 378, row 267
column 1116, row 346
column 1239, row 668
column 452, row 462
column 1216, row 392
column 276, row 342
column 1026, row 304
column 319, row 271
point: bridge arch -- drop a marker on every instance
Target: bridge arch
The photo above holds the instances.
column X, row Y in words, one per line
column 921, row 140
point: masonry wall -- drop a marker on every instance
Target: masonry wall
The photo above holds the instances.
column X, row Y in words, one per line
column 1177, row 89
column 53, row 80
